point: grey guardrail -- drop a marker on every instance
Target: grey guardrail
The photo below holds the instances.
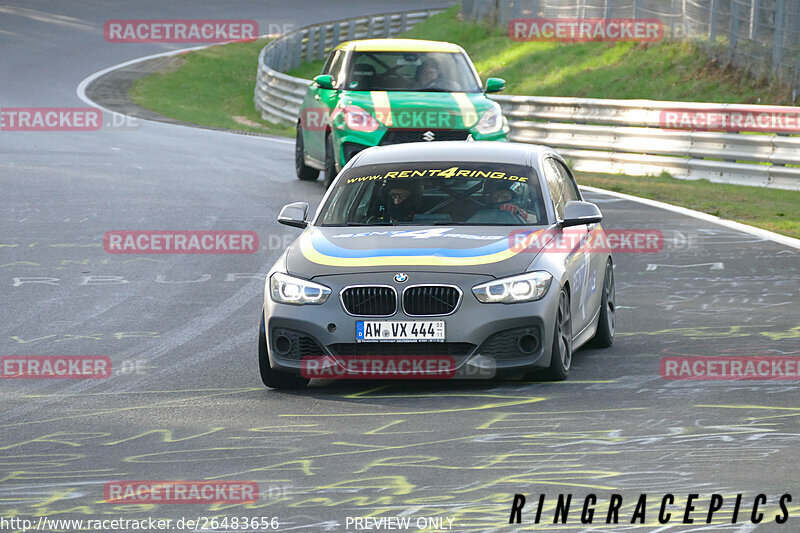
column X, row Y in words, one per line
column 278, row 96
column 597, row 135
column 628, row 136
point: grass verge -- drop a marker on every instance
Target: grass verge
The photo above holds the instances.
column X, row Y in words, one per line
column 670, row 70
column 770, row 209
column 212, row 87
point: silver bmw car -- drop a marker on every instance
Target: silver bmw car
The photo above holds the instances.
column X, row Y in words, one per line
column 438, row 260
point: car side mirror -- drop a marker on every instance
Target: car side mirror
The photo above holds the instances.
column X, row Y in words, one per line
column 325, row 81
column 495, row 85
column 294, row 215
column 578, row 213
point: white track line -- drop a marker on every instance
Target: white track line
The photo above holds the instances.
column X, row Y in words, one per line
column 738, row 226
column 81, row 90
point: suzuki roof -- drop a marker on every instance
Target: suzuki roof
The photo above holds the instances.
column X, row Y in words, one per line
column 399, row 45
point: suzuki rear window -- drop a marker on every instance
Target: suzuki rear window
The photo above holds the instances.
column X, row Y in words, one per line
column 425, row 194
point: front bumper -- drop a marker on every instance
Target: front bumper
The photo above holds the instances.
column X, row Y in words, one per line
column 347, row 143
column 482, row 339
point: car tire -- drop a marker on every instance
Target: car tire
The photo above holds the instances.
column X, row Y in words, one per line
column 604, row 337
column 304, row 172
column 272, row 378
column 330, row 161
column 561, row 354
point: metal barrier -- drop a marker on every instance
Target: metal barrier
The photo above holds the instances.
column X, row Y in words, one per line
column 278, row 96
column 597, row 135
column 626, row 136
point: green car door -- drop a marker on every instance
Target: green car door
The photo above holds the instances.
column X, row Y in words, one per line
column 319, row 101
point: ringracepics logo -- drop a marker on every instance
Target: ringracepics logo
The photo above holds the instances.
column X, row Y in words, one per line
column 179, row 31
column 55, row 367
column 581, row 30
column 61, row 119
column 670, row 509
column 180, row 492
column 180, row 242
column 761, row 119
column 575, row 239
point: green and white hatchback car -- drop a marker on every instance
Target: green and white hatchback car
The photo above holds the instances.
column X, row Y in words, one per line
column 379, row 92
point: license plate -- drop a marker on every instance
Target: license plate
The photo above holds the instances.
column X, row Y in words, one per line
column 400, row 331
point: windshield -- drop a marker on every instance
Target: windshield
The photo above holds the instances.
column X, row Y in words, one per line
column 425, row 194
column 411, row 71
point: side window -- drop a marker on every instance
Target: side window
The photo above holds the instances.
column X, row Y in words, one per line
column 556, row 185
column 327, row 68
column 570, row 186
column 335, row 67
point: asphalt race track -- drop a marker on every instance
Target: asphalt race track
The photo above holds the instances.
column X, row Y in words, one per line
column 185, row 401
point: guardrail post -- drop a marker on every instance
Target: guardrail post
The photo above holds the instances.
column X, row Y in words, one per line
column 684, row 25
column 297, row 56
column 404, row 23
column 712, row 25
column 733, row 31
column 336, row 30
column 310, row 44
column 777, row 44
column 467, row 8
column 291, row 52
column 387, row 26
column 275, row 60
column 282, row 56
column 323, row 35
column 672, row 11
column 371, row 27
column 351, row 30
column 795, row 79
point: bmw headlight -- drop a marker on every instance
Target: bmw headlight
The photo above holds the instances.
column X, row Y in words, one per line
column 492, row 121
column 286, row 289
column 523, row 288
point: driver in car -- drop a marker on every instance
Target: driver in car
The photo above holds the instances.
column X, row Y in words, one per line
column 400, row 202
column 427, row 74
column 500, row 195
